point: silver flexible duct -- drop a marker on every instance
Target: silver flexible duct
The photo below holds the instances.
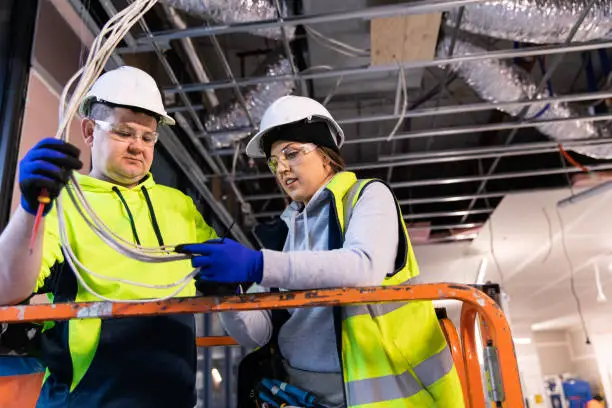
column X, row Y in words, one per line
column 257, row 100
column 234, row 11
column 497, row 81
column 536, row 21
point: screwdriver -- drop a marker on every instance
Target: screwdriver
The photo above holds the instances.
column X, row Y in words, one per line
column 43, row 200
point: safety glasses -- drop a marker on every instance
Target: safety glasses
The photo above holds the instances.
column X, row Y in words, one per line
column 290, row 155
column 126, row 134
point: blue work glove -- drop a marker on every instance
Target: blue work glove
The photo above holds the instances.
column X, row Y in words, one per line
column 47, row 165
column 224, row 261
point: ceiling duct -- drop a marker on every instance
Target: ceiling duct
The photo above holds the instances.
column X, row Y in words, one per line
column 234, row 11
column 496, row 81
column 536, row 21
column 230, row 124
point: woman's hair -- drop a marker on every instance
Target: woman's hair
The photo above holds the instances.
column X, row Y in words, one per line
column 335, row 160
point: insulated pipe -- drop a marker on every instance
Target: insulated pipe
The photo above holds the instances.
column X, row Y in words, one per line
column 416, row 7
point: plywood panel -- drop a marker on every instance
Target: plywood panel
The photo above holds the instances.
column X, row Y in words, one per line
column 404, row 38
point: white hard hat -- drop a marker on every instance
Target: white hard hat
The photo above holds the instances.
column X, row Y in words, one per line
column 127, row 86
column 291, row 109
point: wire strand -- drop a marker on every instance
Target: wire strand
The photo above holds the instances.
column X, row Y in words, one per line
column 73, row 93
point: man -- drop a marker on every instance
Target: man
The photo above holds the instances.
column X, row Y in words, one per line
column 129, row 362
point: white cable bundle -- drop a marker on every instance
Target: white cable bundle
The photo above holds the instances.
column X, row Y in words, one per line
column 102, row 48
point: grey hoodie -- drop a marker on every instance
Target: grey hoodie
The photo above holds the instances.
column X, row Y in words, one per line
column 307, row 339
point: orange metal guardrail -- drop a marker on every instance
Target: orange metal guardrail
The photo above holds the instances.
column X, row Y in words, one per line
column 475, row 303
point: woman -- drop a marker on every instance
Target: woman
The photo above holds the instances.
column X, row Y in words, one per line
column 340, row 232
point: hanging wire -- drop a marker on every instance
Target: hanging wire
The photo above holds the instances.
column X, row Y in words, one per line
column 78, row 86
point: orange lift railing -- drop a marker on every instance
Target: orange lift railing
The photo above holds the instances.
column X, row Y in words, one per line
column 503, row 382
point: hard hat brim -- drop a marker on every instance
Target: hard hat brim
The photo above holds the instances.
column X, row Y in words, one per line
column 164, row 118
column 254, row 148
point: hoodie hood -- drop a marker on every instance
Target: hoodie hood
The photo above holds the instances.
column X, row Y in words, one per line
column 95, row 185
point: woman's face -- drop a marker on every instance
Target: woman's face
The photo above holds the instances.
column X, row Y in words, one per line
column 300, row 168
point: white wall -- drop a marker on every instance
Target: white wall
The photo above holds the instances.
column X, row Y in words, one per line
column 583, row 358
column 531, row 373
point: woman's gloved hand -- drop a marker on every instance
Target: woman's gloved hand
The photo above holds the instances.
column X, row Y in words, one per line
column 224, row 261
column 48, row 166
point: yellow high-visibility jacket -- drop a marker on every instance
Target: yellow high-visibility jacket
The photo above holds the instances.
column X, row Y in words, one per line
column 393, row 354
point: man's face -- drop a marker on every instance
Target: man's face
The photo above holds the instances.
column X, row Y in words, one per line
column 119, row 148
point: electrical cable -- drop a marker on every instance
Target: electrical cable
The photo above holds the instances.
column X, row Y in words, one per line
column 550, row 235
column 400, row 120
column 567, row 257
column 100, row 51
column 493, row 255
column 571, row 160
column 572, row 277
column 335, row 45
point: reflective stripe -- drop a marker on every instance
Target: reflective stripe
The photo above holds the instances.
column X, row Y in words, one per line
column 375, row 310
column 380, row 389
column 435, row 367
column 379, row 309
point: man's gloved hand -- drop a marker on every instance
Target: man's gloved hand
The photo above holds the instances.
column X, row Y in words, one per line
column 47, row 165
column 225, row 261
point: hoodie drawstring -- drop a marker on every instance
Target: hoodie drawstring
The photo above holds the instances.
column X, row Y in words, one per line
column 131, row 218
column 160, row 240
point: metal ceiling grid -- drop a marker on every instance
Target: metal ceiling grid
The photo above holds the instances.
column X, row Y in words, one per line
column 452, row 189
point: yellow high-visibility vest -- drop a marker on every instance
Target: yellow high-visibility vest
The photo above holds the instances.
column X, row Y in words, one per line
column 393, row 354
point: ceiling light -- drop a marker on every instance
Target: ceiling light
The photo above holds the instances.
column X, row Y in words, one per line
column 216, row 376
column 521, row 340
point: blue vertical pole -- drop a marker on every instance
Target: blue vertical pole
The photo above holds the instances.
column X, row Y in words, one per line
column 228, row 377
column 208, row 391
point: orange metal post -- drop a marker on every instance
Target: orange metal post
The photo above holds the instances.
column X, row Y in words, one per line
column 472, row 367
column 452, row 338
column 478, row 302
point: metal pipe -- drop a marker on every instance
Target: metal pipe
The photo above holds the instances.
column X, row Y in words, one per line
column 443, row 156
column 428, row 200
column 192, row 56
column 230, row 75
column 301, row 84
column 417, row 7
column 445, row 226
column 475, row 107
column 478, row 128
column 501, row 176
column 466, row 179
column 446, row 214
column 485, row 152
column 499, row 54
column 266, row 214
column 164, row 61
column 549, row 73
column 444, row 110
column 111, row 10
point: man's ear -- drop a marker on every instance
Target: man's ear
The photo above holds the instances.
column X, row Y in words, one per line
column 87, row 129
